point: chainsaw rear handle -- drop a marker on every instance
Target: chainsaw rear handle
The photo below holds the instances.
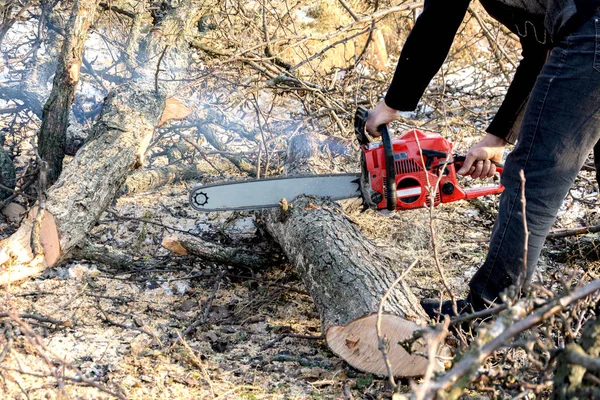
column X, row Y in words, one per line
column 360, row 120
column 484, row 190
column 460, row 160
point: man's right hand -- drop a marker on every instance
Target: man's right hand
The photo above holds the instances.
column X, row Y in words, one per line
column 380, row 115
column 478, row 162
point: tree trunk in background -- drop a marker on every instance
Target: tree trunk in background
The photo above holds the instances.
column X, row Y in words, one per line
column 7, row 172
column 346, row 275
column 87, row 185
column 55, row 116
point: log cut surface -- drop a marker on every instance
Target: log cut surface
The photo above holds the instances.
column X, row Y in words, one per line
column 357, row 344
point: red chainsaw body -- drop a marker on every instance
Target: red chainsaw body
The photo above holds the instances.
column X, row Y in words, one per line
column 421, row 161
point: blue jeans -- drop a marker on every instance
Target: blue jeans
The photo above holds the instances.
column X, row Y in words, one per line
column 560, row 127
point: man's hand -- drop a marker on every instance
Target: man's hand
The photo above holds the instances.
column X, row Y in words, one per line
column 478, row 163
column 380, row 115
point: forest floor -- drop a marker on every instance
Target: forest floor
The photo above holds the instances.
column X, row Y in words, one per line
column 121, row 327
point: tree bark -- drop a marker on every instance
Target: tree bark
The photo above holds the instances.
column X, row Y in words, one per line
column 183, row 245
column 55, row 119
column 346, row 275
column 7, row 172
column 86, row 186
column 578, row 366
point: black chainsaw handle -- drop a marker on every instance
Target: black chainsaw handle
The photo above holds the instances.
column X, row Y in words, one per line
column 390, row 167
column 360, row 120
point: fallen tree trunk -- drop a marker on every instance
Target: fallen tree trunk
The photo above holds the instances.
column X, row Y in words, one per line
column 183, row 245
column 86, row 186
column 346, row 275
column 148, row 179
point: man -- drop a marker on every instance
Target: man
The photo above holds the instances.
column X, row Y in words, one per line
column 554, row 99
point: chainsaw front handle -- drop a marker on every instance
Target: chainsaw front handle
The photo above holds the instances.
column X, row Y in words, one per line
column 360, row 120
column 390, row 167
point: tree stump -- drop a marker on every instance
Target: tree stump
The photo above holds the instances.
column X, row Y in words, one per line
column 346, row 275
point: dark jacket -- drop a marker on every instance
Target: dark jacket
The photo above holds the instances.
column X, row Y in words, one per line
column 429, row 42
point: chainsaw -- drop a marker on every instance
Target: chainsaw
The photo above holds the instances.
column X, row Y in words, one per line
column 406, row 172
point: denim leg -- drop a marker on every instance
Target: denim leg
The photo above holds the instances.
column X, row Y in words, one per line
column 560, row 127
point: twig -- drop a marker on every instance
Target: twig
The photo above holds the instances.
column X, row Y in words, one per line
column 43, row 351
column 523, row 277
column 126, row 327
column 434, row 340
column 160, row 58
column 39, row 318
column 497, row 50
column 148, row 221
column 201, row 152
column 383, row 341
column 74, row 379
column 204, row 318
column 13, row 196
column 263, row 139
column 279, row 338
column 432, row 191
column 479, row 314
column 17, row 192
column 198, row 363
column 563, row 233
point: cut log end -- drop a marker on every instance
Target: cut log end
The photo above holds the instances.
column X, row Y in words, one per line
column 358, row 345
column 17, row 260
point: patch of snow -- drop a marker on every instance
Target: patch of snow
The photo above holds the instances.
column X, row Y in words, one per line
column 181, row 286
column 78, row 271
column 408, row 114
column 302, row 17
column 166, row 288
column 472, row 213
column 244, row 225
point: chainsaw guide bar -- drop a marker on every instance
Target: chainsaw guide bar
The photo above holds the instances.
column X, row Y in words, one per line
column 267, row 193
